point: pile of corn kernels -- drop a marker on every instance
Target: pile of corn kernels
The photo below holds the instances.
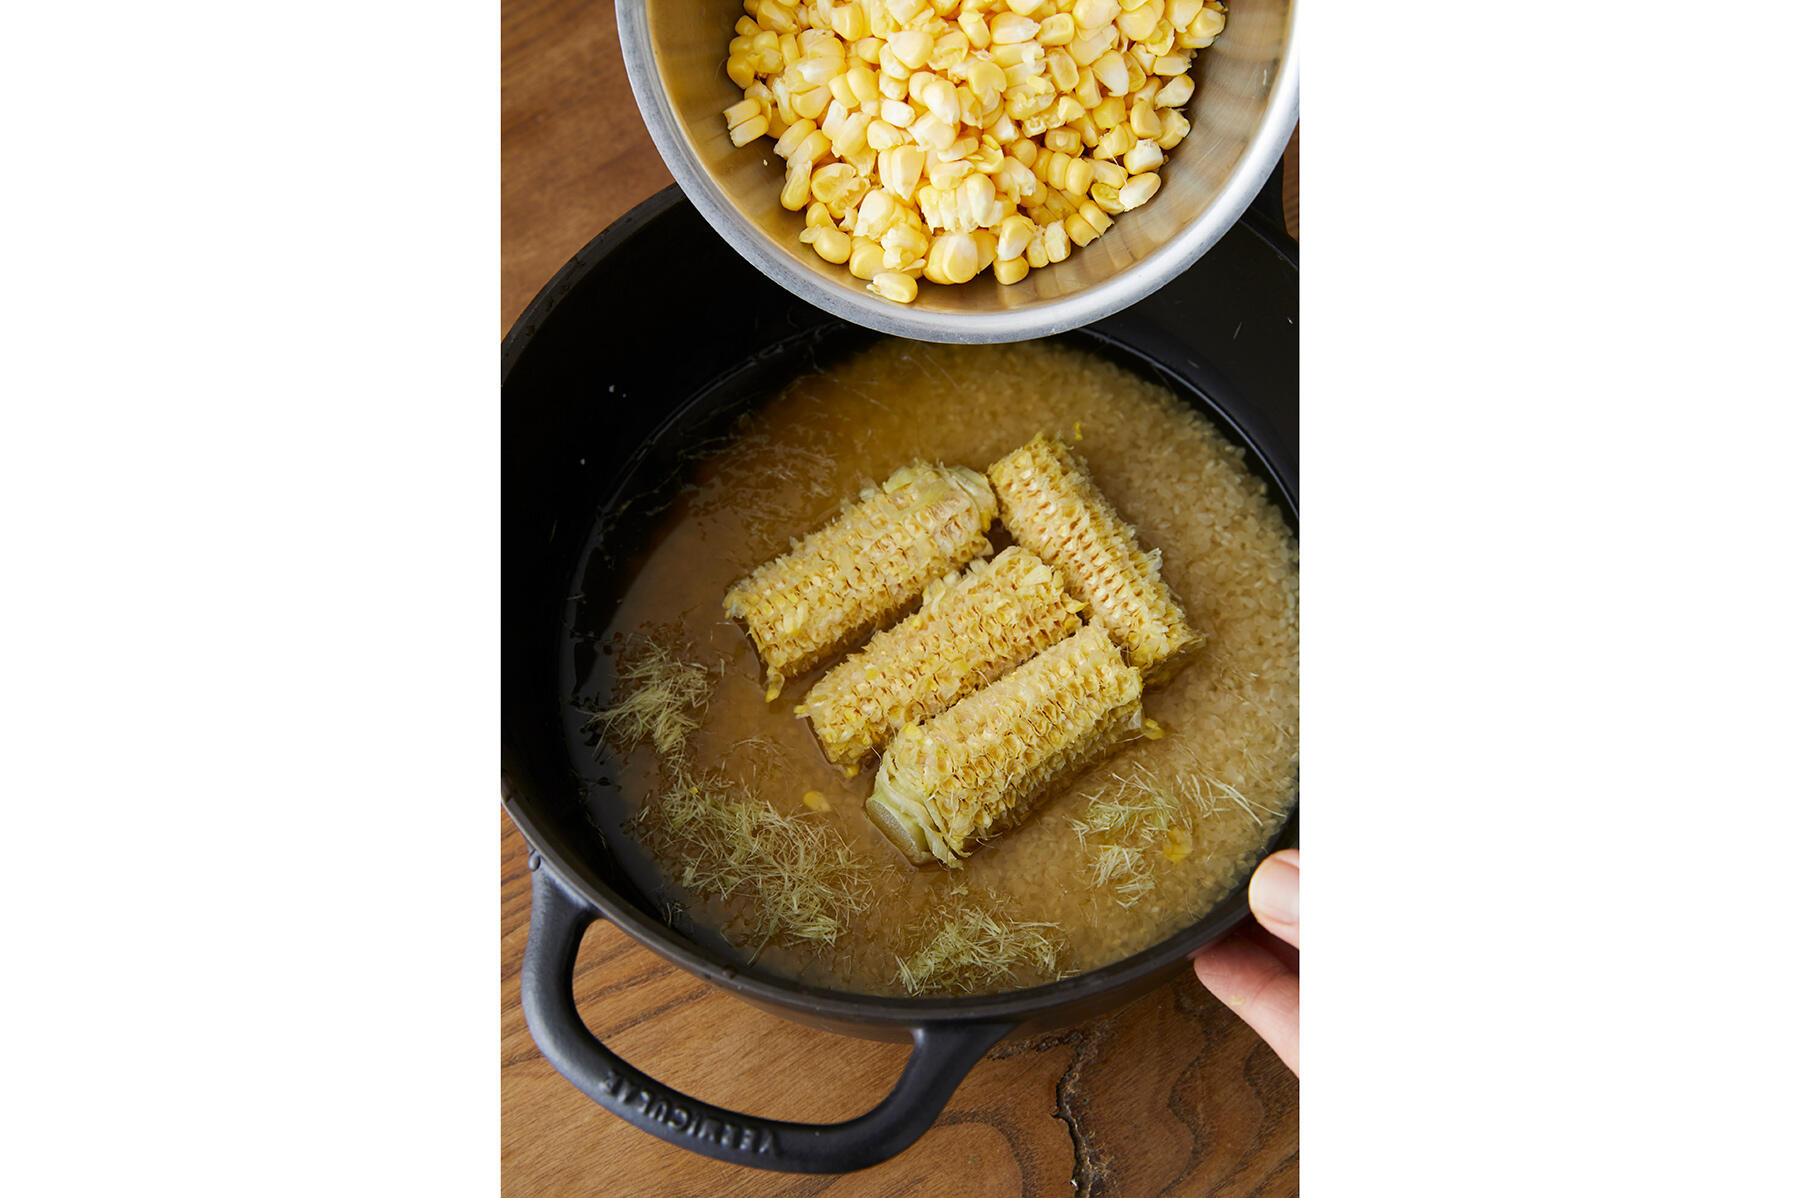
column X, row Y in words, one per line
column 937, row 138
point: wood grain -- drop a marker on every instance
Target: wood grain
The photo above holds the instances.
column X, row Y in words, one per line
column 1172, row 1095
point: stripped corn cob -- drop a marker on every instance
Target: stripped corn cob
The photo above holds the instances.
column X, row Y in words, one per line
column 967, row 632
column 862, row 569
column 1050, row 504
column 975, row 770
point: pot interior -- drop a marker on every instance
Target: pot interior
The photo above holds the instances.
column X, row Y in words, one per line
column 625, row 367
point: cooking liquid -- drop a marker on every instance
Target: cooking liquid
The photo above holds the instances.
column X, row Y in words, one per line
column 1229, row 718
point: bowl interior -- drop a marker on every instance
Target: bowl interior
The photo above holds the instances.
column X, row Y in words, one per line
column 1242, row 113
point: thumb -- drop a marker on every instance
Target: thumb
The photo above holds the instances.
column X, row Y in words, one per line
column 1275, row 895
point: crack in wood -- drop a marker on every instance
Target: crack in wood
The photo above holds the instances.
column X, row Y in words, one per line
column 1092, row 1167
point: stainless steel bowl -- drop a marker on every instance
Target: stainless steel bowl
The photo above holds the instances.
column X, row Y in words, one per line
column 1243, row 112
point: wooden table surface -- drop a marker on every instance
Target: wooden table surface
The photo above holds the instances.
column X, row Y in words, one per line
column 1171, row 1095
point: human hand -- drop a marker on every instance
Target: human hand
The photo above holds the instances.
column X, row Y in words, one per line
column 1256, row 970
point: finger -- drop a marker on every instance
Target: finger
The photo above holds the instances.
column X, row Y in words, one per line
column 1281, row 950
column 1275, row 895
column 1262, row 991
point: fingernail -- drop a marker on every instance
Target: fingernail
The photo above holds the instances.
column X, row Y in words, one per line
column 1275, row 891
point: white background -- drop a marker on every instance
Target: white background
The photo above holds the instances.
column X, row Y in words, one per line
column 249, row 466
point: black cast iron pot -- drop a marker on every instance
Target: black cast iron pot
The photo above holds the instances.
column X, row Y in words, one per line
column 642, row 345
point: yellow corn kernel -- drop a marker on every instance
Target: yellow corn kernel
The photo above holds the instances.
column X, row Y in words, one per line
column 1016, row 181
column 954, row 258
column 1063, row 71
column 1036, row 255
column 1106, row 197
column 1013, row 235
column 1058, row 30
column 912, row 47
column 1117, row 142
column 1180, row 844
column 1009, row 28
column 902, row 246
column 980, row 199
column 876, row 214
column 1011, row 270
column 946, row 175
column 1080, row 232
column 1144, row 156
column 1175, row 92
column 1080, row 174
column 812, row 147
column 1095, row 217
column 948, row 50
column 818, row 71
column 748, row 131
column 777, row 17
column 1063, row 141
column 811, row 103
column 791, row 138
column 1110, row 174
column 900, row 168
column 850, row 22
column 895, row 285
column 932, row 132
column 1175, row 129
column 739, row 70
column 1051, row 505
column 937, row 95
column 1144, row 121
column 1112, row 73
column 1087, row 90
column 882, row 136
column 863, row 83
column 976, row 770
column 815, row 800
column 797, row 191
column 853, row 136
column 1056, row 241
column 865, row 566
column 1208, row 22
column 747, row 27
column 1137, row 190
column 969, row 630
column 1140, row 22
column 975, row 28
column 832, row 244
column 865, row 258
column 986, row 246
column 1095, row 14
column 1183, row 12
column 986, row 80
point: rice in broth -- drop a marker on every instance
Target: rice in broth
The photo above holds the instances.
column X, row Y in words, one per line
column 767, row 842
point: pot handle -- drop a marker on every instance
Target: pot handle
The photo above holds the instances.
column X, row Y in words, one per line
column 941, row 1057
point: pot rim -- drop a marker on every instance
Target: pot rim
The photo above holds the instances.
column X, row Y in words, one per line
column 874, row 1010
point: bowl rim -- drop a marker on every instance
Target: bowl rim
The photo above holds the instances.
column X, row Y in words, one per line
column 1059, row 315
